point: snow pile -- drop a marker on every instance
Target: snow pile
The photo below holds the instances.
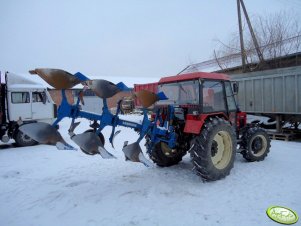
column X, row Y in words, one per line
column 43, row 186
column 260, row 120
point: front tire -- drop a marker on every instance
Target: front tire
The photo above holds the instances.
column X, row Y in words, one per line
column 255, row 144
column 23, row 140
column 214, row 150
column 163, row 156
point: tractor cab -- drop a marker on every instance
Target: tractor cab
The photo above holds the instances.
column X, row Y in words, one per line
column 208, row 95
column 199, row 93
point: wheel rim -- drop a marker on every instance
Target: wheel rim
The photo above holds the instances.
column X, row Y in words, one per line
column 258, row 145
column 221, row 149
column 167, row 150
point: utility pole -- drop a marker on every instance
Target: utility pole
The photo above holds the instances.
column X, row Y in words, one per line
column 260, row 56
column 242, row 47
column 243, row 55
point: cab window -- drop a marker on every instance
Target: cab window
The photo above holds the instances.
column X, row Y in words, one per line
column 230, row 97
column 38, row 97
column 180, row 92
column 213, row 96
column 20, row 97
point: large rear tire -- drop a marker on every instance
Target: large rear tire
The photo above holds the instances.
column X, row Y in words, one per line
column 255, row 144
column 163, row 156
column 23, row 140
column 214, row 150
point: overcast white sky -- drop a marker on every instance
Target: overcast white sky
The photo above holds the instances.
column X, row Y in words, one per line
column 147, row 38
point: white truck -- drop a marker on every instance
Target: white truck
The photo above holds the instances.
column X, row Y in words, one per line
column 22, row 101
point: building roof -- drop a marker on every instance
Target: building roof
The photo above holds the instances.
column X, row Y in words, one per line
column 194, row 75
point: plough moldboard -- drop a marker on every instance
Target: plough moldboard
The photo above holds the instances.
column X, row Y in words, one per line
column 92, row 141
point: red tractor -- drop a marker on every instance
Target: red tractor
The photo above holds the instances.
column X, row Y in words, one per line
column 208, row 124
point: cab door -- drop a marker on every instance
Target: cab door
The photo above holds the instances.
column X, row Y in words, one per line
column 19, row 105
column 42, row 108
column 231, row 104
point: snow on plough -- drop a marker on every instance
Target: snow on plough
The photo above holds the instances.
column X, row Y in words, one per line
column 193, row 113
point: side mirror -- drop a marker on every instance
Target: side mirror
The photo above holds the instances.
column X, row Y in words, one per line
column 235, row 88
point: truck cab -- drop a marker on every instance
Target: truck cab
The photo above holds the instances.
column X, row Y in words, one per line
column 23, row 101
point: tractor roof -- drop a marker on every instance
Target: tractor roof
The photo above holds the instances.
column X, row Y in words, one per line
column 192, row 76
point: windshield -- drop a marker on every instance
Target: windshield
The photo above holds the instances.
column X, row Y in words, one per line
column 180, row 92
column 127, row 101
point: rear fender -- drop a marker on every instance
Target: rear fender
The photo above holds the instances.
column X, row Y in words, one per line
column 194, row 123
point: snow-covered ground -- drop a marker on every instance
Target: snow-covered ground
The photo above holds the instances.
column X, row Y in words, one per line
column 43, row 186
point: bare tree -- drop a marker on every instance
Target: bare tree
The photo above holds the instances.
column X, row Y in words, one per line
column 278, row 35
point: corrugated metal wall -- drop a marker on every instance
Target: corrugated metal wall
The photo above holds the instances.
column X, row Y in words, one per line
column 271, row 91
